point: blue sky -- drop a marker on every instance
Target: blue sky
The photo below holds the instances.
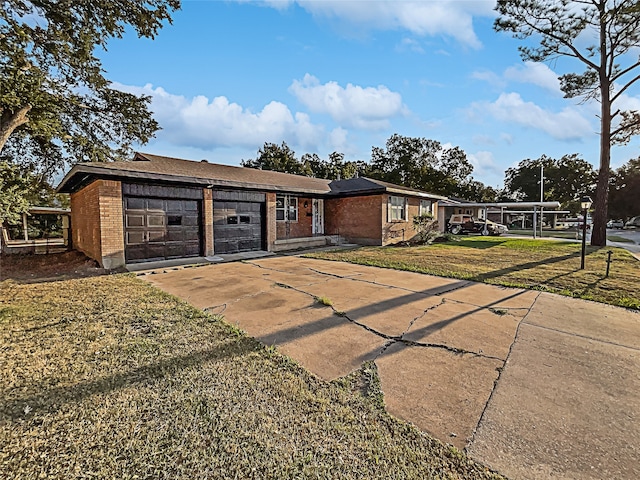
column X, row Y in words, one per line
column 344, row 76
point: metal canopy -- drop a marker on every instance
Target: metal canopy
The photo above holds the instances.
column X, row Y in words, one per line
column 503, row 204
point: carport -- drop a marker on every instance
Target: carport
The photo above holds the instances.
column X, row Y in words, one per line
column 480, row 210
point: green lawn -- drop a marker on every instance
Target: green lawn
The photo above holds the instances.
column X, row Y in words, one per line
column 618, row 238
column 107, row 377
column 569, row 234
column 548, row 265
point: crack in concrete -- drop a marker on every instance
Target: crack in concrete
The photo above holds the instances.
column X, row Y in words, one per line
column 500, row 370
column 398, row 338
column 383, row 349
column 283, row 271
column 457, row 351
column 442, row 301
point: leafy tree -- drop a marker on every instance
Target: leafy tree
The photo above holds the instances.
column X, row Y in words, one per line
column 12, row 200
column 422, row 164
column 56, row 106
column 279, row 158
column 476, row 191
column 566, row 179
column 601, row 34
column 624, row 194
column 22, row 187
column 335, row 168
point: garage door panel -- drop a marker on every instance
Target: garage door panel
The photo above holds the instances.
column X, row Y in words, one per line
column 134, row 220
column 191, row 235
column 155, row 204
column 190, row 221
column 134, row 203
column 134, row 238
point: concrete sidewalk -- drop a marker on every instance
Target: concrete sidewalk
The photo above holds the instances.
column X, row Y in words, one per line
column 532, row 384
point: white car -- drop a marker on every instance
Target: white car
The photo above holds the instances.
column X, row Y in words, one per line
column 615, row 224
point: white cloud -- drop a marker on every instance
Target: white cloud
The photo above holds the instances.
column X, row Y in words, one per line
column 203, row 123
column 483, row 163
column 568, row 124
column 365, row 108
column 536, row 73
column 409, row 44
column 453, row 18
column 490, row 77
column 506, row 138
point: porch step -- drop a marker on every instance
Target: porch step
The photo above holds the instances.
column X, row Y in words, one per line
column 285, row 244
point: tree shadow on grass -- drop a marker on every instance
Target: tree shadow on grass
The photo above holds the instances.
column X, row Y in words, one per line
column 483, row 277
column 50, row 399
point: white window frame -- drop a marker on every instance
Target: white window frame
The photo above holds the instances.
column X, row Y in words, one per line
column 426, row 207
column 397, row 209
column 289, row 208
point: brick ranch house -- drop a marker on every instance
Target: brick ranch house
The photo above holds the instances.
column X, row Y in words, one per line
column 154, row 208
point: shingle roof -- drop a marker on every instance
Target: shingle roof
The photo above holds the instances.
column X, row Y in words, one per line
column 167, row 169
column 157, row 167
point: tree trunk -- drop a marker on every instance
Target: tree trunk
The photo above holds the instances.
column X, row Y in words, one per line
column 600, row 205
column 601, row 202
column 10, row 121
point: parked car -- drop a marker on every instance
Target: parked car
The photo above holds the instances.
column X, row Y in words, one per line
column 460, row 224
column 615, row 224
column 633, row 223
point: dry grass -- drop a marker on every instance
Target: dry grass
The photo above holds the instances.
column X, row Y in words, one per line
column 548, row 265
column 108, row 377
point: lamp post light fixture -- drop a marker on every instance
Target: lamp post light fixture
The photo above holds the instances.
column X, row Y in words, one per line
column 585, row 203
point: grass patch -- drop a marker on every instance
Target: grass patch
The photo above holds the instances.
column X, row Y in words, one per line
column 568, row 234
column 618, row 238
column 327, row 302
column 547, row 265
column 108, row 377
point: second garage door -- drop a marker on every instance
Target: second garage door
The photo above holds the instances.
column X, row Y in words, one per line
column 238, row 222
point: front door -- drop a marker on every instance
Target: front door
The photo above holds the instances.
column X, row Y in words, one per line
column 318, row 217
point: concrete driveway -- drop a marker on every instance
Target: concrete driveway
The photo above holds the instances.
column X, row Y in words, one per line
column 532, row 384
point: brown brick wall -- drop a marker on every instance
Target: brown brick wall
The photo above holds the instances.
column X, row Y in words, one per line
column 85, row 221
column 394, row 232
column 207, row 224
column 358, row 219
column 300, row 229
column 97, row 222
column 270, row 220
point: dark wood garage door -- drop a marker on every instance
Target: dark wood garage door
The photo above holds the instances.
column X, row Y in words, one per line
column 158, row 229
column 237, row 226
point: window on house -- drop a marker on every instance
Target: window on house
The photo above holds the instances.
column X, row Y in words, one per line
column 397, row 209
column 425, row 207
column 286, row 208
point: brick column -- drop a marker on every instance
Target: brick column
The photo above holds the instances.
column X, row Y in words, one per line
column 111, row 224
column 270, row 221
column 207, row 225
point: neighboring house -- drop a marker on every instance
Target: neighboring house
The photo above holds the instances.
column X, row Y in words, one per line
column 156, row 207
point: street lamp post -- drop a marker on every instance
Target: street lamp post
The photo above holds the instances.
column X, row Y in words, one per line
column 585, row 203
